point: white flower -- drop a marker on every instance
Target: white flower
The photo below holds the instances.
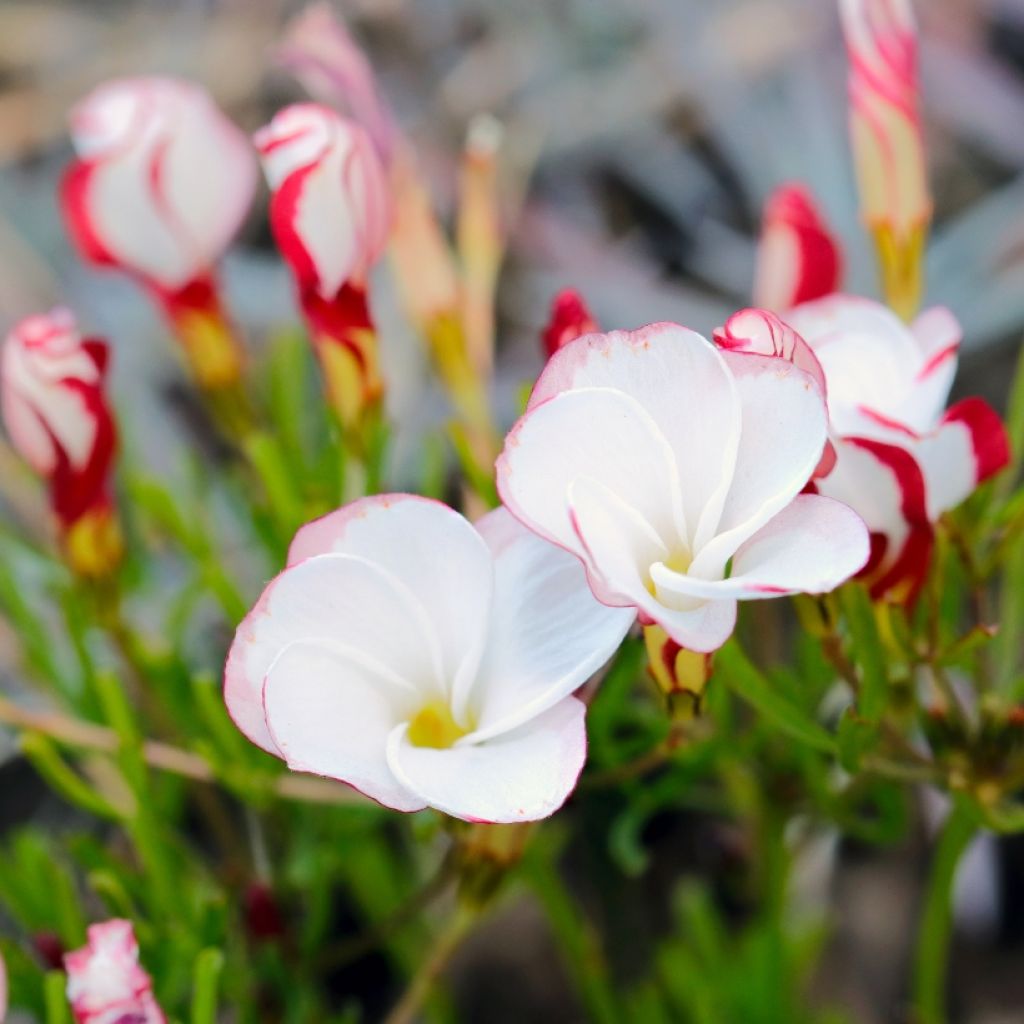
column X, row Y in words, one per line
column 424, row 661
column 674, row 472
column 903, row 457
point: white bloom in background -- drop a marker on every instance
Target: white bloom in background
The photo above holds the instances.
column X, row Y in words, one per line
column 903, row 457
column 425, row 661
column 673, row 471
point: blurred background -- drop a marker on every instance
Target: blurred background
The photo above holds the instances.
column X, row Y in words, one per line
column 642, row 139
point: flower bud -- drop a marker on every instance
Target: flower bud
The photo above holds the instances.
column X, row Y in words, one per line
column 321, row 53
column 570, row 319
column 798, row 258
column 888, row 147
column 161, row 185
column 52, row 385
column 330, row 216
column 106, row 985
column 681, row 674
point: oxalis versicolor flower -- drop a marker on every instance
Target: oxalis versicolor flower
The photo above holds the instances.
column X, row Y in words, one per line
column 330, row 216
column 106, row 985
column 674, row 472
column 903, row 458
column 425, row 661
column 53, row 390
column 161, row 185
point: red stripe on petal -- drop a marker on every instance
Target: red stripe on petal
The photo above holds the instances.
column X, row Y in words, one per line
column 74, row 202
column 283, row 213
column 989, row 439
column 903, row 578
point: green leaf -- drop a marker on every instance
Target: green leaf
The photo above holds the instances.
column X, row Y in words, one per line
column 733, row 668
column 867, row 651
column 55, row 998
column 206, row 975
column 60, row 776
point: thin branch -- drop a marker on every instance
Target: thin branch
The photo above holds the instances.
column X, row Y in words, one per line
column 88, row 736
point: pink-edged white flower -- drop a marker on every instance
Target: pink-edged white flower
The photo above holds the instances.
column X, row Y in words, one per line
column 903, row 458
column 162, row 181
column 886, row 134
column 106, row 984
column 330, row 216
column 54, row 404
column 673, row 470
column 570, row 318
column 798, row 258
column 320, row 51
column 425, row 661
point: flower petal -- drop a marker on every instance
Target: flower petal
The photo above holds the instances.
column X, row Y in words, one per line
column 621, row 548
column 597, row 433
column 682, row 382
column 548, row 633
column 969, row 446
column 521, row 775
column 784, row 434
column 344, row 601
column 811, row 546
column 436, row 553
column 329, row 716
column 884, row 485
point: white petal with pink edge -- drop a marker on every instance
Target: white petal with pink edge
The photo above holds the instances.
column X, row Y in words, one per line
column 439, row 556
column 331, row 715
column 521, row 775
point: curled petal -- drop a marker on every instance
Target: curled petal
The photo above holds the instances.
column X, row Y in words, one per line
column 761, row 332
column 811, row 546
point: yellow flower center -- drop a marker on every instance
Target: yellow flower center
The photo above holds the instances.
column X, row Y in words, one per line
column 434, row 726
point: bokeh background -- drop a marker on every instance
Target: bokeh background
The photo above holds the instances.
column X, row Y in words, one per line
column 642, row 139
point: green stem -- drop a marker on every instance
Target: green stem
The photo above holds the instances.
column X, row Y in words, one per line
column 448, row 941
column 936, row 927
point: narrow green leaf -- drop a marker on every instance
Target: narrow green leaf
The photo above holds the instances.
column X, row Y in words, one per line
column 55, row 998
column 867, row 651
column 732, row 666
column 59, row 776
column 205, row 978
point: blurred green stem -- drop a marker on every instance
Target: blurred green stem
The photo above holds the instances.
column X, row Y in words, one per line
column 936, row 927
column 447, row 942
